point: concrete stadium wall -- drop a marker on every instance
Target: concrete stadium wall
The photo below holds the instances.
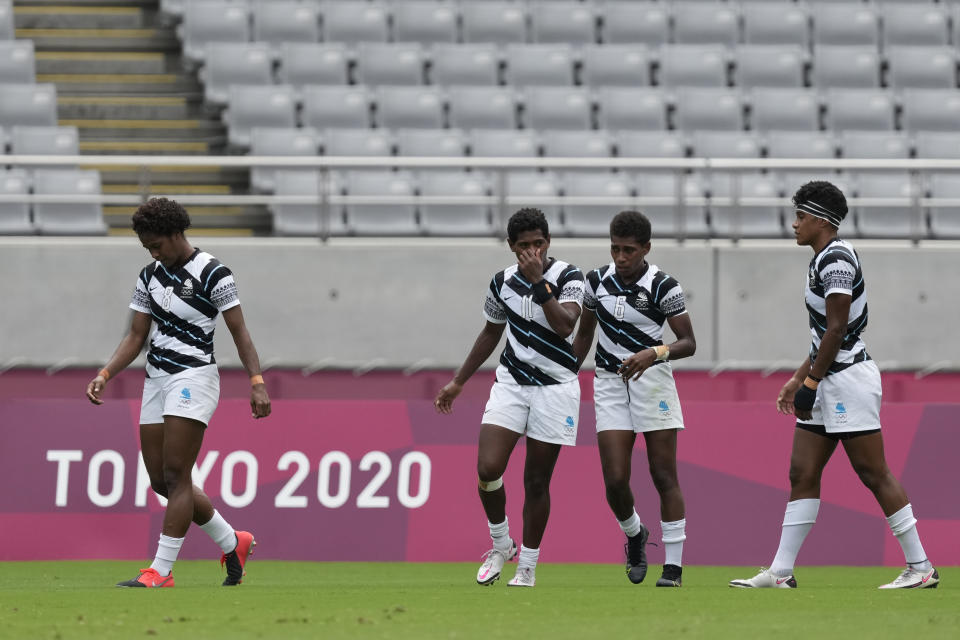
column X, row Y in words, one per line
column 409, row 302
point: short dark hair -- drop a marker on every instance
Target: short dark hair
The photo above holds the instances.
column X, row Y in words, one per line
column 527, row 219
column 823, row 193
column 631, row 224
column 161, row 217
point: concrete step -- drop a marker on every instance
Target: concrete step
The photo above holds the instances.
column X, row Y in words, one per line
column 151, row 5
column 101, row 39
column 121, row 106
column 102, row 83
column 235, row 178
column 65, row 16
column 195, row 231
column 147, row 129
column 147, row 147
column 120, row 62
column 256, row 220
column 192, row 189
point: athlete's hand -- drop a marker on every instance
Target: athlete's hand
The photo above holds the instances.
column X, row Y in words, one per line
column 259, row 401
column 446, row 396
column 95, row 388
column 633, row 366
column 785, row 398
column 530, row 262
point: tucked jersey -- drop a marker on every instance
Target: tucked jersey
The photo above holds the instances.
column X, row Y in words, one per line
column 630, row 317
column 836, row 269
column 534, row 353
column 184, row 305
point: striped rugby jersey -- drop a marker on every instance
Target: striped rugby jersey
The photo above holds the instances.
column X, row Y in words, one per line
column 630, row 318
column 534, row 353
column 836, row 269
column 184, row 306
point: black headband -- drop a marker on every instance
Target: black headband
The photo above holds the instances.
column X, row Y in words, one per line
column 820, row 211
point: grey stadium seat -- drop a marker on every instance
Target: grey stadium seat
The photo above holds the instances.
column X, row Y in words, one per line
column 335, row 106
column 594, row 219
column 17, row 64
column 706, row 22
column 389, row 64
column 632, row 108
column 846, row 67
column 6, row 21
column 767, row 65
column 529, row 189
column 279, row 141
column 415, row 107
column 726, row 144
column 567, row 21
column 28, row 104
column 212, row 21
column 453, row 219
column 937, row 144
column 424, row 21
column 845, row 23
column 863, row 109
column 281, row 21
column 306, row 219
column 800, row 144
column 896, row 220
column 693, row 66
column 483, row 107
column 500, row 22
column 257, row 106
column 229, row 63
column 431, row 142
column 393, row 218
column 779, row 23
column 357, row 142
column 72, row 218
column 650, row 144
column 353, row 22
column 922, row 67
column 504, row 142
column 557, row 108
column 669, row 216
column 15, row 216
column 304, row 63
column 539, row 65
column 931, row 110
column 572, row 144
column 709, row 109
column 615, row 65
column 914, row 24
column 945, row 220
column 745, row 206
column 874, row 144
column 465, row 64
column 631, row 22
column 64, row 141
column 796, row 109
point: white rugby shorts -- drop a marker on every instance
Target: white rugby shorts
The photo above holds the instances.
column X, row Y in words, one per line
column 548, row 413
column 849, row 400
column 193, row 393
column 648, row 404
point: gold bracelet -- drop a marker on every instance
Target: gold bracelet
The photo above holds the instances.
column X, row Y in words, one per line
column 104, row 373
column 662, row 351
column 257, row 379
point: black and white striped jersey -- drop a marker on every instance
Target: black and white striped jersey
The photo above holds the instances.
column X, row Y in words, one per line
column 836, row 269
column 534, row 353
column 630, row 317
column 184, row 305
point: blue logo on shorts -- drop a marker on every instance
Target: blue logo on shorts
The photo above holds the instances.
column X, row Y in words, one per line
column 185, row 393
column 570, row 422
column 841, row 408
column 664, row 406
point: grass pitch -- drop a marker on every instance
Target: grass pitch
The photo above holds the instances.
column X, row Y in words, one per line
column 65, row 600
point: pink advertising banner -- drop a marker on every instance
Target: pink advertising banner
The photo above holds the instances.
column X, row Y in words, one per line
column 362, row 479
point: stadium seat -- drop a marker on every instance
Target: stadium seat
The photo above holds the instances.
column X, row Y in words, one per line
column 455, row 219
column 745, row 205
column 669, row 216
column 389, row 218
column 615, row 65
column 414, row 107
column 257, row 106
column 846, row 67
column 945, row 219
column 796, row 109
column 335, row 106
column 431, row 142
column 632, row 108
column 568, row 21
column 63, row 141
column 28, row 104
column 767, row 65
column 279, row 141
column 862, row 109
column 937, row 144
column 845, row 23
column 780, row 23
column 280, row 21
column 229, row 63
column 6, row 21
column 465, row 64
column 352, row 22
column 916, row 67
column 896, row 219
column 17, row 65
column 483, row 107
column 616, row 191
column 800, row 144
column 705, row 23
column 68, row 218
column 874, row 144
column 931, row 110
column 306, row 219
column 631, row 22
column 389, row 64
column 693, row 66
column 557, row 108
column 495, row 21
column 573, row 144
column 304, row 63
column 725, row 144
column 212, row 21
column 709, row 109
column 509, row 143
column 534, row 189
column 650, row 144
column 342, row 141
column 539, row 65
column 424, row 21
column 15, row 216
column 914, row 24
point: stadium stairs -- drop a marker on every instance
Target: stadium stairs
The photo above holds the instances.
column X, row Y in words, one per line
column 120, row 81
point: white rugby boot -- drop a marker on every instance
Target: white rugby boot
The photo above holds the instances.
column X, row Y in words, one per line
column 493, row 562
column 766, row 579
column 525, row 577
column 912, row 578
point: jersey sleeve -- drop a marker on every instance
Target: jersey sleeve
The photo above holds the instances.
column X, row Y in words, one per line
column 493, row 309
column 837, row 273
column 141, row 295
column 570, row 284
column 672, row 302
column 590, row 286
column 221, row 289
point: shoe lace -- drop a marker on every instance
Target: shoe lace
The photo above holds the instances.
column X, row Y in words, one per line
column 904, row 576
column 488, row 556
column 524, row 574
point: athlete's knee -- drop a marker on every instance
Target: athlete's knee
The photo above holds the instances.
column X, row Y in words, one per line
column 488, row 472
column 616, row 479
column 872, row 476
column 536, row 484
column 664, row 480
column 174, row 477
column 804, row 477
column 159, row 486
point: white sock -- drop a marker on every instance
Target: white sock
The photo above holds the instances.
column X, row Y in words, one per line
column 631, row 526
column 674, row 533
column 798, row 519
column 500, row 534
column 904, row 527
column 167, row 550
column 220, row 532
column 528, row 558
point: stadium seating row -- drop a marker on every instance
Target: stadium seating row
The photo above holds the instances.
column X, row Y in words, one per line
column 69, row 215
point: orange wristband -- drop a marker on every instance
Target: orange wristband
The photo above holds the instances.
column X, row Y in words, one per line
column 257, row 379
column 103, row 372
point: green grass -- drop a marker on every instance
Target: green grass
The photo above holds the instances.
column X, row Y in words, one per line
column 65, row 600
